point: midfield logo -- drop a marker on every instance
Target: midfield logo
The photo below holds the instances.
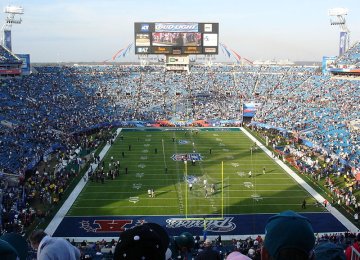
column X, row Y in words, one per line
column 183, row 142
column 186, row 157
column 191, row 179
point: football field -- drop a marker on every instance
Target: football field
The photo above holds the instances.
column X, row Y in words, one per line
column 216, row 162
column 208, row 179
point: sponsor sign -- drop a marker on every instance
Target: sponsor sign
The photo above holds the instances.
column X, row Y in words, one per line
column 142, row 39
column 144, row 27
column 7, row 39
column 176, row 38
column 208, row 27
column 143, row 50
column 250, row 108
column 210, row 50
column 328, row 63
column 25, row 66
column 192, row 50
column 176, row 27
column 160, row 50
column 342, row 44
column 210, row 39
column 176, row 51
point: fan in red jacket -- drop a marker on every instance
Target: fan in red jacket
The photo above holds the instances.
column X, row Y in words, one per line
column 354, row 247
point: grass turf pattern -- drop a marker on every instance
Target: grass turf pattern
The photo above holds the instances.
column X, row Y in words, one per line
column 149, row 157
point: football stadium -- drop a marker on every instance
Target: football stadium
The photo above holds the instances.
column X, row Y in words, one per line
column 178, row 156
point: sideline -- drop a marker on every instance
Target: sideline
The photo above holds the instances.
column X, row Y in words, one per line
column 350, row 226
column 59, row 216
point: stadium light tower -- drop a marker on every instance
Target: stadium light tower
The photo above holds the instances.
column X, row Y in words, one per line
column 337, row 18
column 11, row 12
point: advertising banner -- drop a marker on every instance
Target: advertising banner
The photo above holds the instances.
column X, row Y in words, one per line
column 328, row 63
column 176, row 27
column 210, row 39
column 177, row 38
column 25, row 67
column 249, row 109
column 342, row 44
column 7, row 39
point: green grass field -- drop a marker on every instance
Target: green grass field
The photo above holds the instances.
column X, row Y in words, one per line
column 236, row 192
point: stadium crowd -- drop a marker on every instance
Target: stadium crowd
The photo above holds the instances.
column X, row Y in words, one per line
column 288, row 236
column 351, row 58
column 55, row 111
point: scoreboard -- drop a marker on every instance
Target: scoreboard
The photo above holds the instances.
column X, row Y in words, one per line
column 176, row 38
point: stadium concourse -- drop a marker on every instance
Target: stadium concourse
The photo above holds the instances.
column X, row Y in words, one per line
column 53, row 112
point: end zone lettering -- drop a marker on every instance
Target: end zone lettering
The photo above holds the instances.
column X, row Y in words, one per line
column 225, row 225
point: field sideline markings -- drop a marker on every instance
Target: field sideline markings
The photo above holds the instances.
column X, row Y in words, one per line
column 335, row 212
column 179, row 216
column 201, row 206
column 163, row 150
column 178, row 189
column 174, row 179
column 64, row 209
column 164, row 199
column 111, row 192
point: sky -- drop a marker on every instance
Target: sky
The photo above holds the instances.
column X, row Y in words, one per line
column 94, row 30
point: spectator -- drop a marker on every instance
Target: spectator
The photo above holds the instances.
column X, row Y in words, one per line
column 182, row 246
column 13, row 247
column 208, row 253
column 354, row 247
column 237, row 256
column 288, row 235
column 148, row 241
column 329, row 251
column 52, row 248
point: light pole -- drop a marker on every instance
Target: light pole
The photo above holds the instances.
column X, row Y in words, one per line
column 338, row 18
column 11, row 12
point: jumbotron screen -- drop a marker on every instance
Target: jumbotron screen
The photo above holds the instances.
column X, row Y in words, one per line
column 176, row 38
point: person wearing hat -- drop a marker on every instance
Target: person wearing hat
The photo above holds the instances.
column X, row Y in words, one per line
column 13, row 247
column 208, row 253
column 236, row 255
column 52, row 247
column 182, row 247
column 354, row 247
column 329, row 251
column 148, row 241
column 288, row 235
